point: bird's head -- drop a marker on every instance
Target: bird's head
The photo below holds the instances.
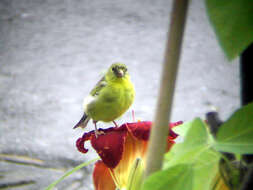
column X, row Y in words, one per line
column 117, row 71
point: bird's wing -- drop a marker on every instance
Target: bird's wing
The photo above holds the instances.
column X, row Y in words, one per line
column 98, row 87
column 94, row 93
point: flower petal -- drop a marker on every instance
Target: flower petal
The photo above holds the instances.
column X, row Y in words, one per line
column 110, row 146
column 173, row 135
column 102, row 178
column 174, row 124
column 80, row 142
column 141, row 130
column 169, row 144
column 134, row 148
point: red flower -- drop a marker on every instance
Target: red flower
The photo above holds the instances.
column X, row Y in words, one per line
column 119, row 148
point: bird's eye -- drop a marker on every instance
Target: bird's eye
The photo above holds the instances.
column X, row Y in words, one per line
column 113, row 69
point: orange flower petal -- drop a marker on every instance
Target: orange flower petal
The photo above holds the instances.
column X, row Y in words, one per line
column 102, row 178
column 133, row 148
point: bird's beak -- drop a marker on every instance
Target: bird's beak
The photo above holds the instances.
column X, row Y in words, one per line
column 120, row 73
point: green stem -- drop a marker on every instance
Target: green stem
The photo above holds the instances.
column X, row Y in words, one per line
column 52, row 185
column 159, row 133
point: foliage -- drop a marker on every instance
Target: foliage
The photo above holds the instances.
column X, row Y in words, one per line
column 232, row 21
column 52, row 185
column 199, row 154
column 236, row 135
column 196, row 163
column 173, row 178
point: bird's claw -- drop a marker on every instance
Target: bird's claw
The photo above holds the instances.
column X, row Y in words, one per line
column 116, row 125
column 97, row 133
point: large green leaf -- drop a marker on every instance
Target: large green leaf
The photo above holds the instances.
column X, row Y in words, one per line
column 233, row 24
column 182, row 129
column 206, row 167
column 196, row 150
column 236, row 135
column 205, row 164
column 196, row 136
column 173, row 178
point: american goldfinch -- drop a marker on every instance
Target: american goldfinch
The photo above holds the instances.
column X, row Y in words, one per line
column 110, row 98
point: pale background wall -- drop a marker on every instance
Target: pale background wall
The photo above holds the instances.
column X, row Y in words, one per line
column 52, row 52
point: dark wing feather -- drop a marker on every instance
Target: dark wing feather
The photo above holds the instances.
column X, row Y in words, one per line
column 94, row 92
column 99, row 86
column 83, row 121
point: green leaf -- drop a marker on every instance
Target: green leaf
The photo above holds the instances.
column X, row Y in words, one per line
column 182, row 129
column 52, row 185
column 173, row 178
column 236, row 135
column 196, row 136
column 233, row 24
column 196, row 150
column 205, row 165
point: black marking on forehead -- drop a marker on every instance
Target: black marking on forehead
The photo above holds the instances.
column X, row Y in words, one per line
column 119, row 67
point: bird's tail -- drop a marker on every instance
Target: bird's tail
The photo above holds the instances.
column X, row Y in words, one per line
column 83, row 121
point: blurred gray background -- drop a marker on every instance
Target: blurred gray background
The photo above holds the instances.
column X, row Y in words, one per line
column 52, row 52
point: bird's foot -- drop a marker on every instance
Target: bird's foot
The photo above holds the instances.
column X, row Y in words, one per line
column 97, row 133
column 115, row 124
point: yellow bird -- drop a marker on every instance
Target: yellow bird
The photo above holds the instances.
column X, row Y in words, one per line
column 110, row 98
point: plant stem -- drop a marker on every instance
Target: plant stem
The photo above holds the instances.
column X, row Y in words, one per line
column 52, row 185
column 159, row 132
